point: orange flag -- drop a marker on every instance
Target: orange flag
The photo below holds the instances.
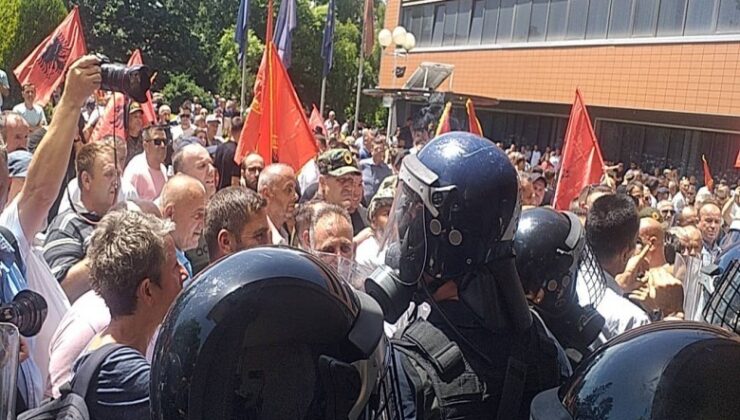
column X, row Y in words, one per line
column 368, row 29
column 581, row 163
column 317, row 121
column 46, row 65
column 276, row 127
column 708, row 180
column 473, row 122
column 443, row 126
column 148, row 108
column 737, row 160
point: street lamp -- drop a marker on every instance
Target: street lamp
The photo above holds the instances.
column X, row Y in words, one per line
column 404, row 42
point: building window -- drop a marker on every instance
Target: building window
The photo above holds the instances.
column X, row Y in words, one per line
column 486, row 22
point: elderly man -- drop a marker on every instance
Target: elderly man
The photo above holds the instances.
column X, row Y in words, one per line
column 374, row 169
column 329, row 231
column 212, row 126
column 183, row 201
column 194, row 160
column 710, row 222
column 660, row 291
column 665, row 207
column 338, row 177
column 27, row 214
column 378, row 212
column 688, row 217
column 14, row 129
column 66, row 240
column 251, row 168
column 138, row 284
column 146, row 171
column 236, row 219
column 276, row 185
column 680, row 200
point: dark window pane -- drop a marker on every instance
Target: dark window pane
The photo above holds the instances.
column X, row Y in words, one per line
column 505, row 21
column 427, row 25
column 476, row 26
column 522, row 13
column 645, row 18
column 439, row 18
column 557, row 21
column 415, row 27
column 671, row 17
column 577, row 15
column 450, row 22
column 490, row 21
column 729, row 16
column 598, row 19
column 700, row 17
column 620, row 20
column 463, row 22
column 538, row 23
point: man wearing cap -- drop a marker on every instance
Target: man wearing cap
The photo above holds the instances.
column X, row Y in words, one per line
column 185, row 129
column 212, row 125
column 134, row 126
column 374, row 169
column 338, row 178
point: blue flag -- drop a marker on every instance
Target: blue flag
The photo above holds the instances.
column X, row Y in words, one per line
column 327, row 45
column 286, row 22
column 240, row 34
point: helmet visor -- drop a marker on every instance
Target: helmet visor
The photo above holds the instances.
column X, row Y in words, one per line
column 351, row 272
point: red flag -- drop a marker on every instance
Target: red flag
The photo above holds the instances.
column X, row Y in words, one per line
column 149, row 115
column 276, row 127
column 581, row 163
column 111, row 122
column 473, row 122
column 443, row 126
column 46, row 65
column 368, row 29
column 708, row 180
column 737, row 160
column 317, row 121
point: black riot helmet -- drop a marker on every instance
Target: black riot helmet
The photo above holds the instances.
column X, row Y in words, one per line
column 551, row 249
column 454, row 218
column 268, row 333
column 666, row 370
column 723, row 307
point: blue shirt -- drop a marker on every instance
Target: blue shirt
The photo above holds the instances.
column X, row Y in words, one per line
column 185, row 262
column 372, row 176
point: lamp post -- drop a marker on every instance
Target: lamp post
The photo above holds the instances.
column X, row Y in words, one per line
column 403, row 42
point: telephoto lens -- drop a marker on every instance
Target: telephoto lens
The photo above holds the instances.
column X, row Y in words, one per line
column 133, row 81
column 27, row 312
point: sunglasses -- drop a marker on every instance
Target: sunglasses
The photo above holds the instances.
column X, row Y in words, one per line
column 158, row 142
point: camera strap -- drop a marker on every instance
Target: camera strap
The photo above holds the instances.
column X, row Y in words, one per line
column 13, row 242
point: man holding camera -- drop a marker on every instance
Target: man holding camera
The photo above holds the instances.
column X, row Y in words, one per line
column 27, row 214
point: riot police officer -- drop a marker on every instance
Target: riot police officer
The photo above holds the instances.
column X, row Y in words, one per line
column 271, row 333
column 478, row 354
column 551, row 250
column 662, row 371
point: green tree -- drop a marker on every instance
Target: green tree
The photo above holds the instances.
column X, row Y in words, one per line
column 23, row 25
column 229, row 71
column 182, row 87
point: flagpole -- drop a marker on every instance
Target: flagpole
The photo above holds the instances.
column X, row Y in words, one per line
column 359, row 78
column 244, row 83
column 323, row 94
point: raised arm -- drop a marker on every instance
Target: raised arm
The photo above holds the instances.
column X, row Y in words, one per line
column 49, row 163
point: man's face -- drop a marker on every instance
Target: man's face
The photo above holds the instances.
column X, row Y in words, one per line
column 684, row 186
column 333, row 235
column 189, row 218
column 332, row 116
column 339, row 190
column 135, row 123
column 251, row 169
column 367, row 140
column 199, row 165
column 380, row 221
column 667, row 211
column 255, row 233
column 170, row 281
column 526, row 191
column 165, row 116
column 357, row 193
column 691, row 194
column 156, row 147
column 688, row 217
column 637, row 194
column 539, row 191
column 103, row 183
column 692, row 244
column 29, row 94
column 185, row 121
column 212, row 129
column 283, row 196
column 16, row 131
column 378, row 150
column 710, row 220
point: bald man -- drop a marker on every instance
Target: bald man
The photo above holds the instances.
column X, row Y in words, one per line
column 277, row 186
column 194, row 160
column 693, row 241
column 183, row 200
column 688, row 216
column 251, row 167
column 660, row 291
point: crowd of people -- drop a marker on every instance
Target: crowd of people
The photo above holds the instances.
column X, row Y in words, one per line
column 112, row 231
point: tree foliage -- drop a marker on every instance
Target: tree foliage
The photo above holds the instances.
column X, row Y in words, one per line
column 228, row 69
column 182, row 87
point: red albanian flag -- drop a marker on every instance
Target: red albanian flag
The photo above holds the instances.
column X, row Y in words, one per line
column 317, row 121
column 45, row 66
column 149, row 115
column 581, row 163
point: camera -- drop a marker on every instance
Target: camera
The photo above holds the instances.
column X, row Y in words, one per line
column 27, row 312
column 133, row 81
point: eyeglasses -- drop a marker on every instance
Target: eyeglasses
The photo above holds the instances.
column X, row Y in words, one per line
column 158, row 142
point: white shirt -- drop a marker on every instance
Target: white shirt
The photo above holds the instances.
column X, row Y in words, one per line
column 34, row 116
column 679, row 202
column 40, row 280
column 308, row 175
column 367, row 253
column 278, row 237
column 178, row 131
column 87, row 317
column 536, row 155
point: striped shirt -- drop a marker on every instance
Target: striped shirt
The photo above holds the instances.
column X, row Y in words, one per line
column 66, row 241
column 123, row 386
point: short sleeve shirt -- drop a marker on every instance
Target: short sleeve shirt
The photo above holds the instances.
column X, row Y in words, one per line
column 225, row 165
column 34, row 116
